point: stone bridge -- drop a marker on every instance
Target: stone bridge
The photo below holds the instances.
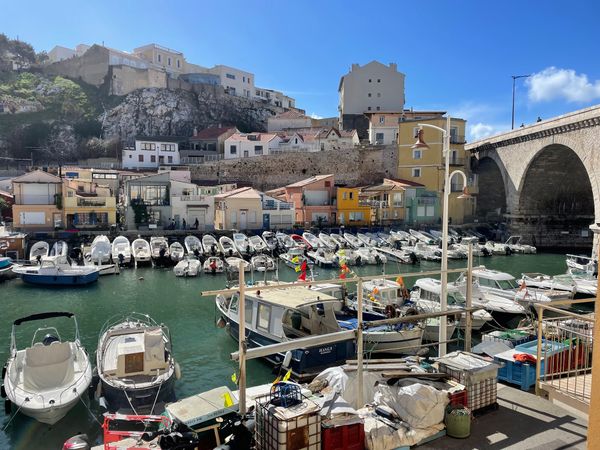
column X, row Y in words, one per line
column 544, row 179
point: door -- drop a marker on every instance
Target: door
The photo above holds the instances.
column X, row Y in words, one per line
column 266, row 221
column 243, row 219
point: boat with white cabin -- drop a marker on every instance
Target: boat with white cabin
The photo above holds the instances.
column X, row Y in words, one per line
column 38, row 251
column 141, row 251
column 57, row 271
column 121, row 250
column 101, row 250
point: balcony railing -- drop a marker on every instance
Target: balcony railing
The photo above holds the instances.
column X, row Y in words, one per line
column 192, row 198
column 91, row 201
column 271, row 205
column 374, row 203
column 425, row 201
column 457, row 139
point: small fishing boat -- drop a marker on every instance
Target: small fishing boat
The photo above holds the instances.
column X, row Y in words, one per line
column 426, row 252
column 387, row 239
column 285, row 241
column 159, row 248
column 270, row 240
column 262, row 263
column 348, row 256
column 228, row 247
column 300, row 242
column 497, row 248
column 402, row 236
column 422, row 237
column 352, row 240
column 6, row 272
column 258, row 244
column 401, row 256
column 38, row 251
column 378, row 241
column 187, row 267
column 176, row 251
column 57, row 271
column 193, row 246
column 328, row 241
column 135, row 365
column 242, row 244
column 141, row 251
column 568, row 283
column 213, row 265
column 210, row 245
column 312, row 240
column 121, row 250
column 294, row 258
column 47, row 379
column 233, row 264
column 60, row 248
column 322, row 257
column 369, row 255
column 514, row 243
column 366, row 240
column 101, row 250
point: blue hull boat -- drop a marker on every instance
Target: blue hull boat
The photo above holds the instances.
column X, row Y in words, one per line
column 60, row 280
column 57, row 271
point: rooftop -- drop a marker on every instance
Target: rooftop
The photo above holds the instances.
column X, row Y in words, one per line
column 310, row 180
column 37, row 176
column 211, row 133
column 254, row 137
column 243, row 192
column 294, row 297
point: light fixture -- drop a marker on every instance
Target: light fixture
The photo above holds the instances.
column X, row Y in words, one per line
column 465, row 194
column 420, row 144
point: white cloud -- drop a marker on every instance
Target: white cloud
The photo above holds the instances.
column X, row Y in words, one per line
column 553, row 83
column 482, row 130
column 315, row 116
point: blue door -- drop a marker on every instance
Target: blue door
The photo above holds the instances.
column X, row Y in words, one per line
column 266, row 221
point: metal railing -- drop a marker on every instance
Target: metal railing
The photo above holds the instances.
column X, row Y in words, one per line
column 457, row 139
column 564, row 354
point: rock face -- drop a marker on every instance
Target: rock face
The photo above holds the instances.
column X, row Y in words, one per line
column 156, row 111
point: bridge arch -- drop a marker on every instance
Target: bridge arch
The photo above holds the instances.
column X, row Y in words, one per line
column 492, row 196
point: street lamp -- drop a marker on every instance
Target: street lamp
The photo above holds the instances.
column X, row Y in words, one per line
column 447, row 177
column 515, row 77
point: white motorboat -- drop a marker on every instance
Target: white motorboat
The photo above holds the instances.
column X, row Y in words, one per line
column 477, row 249
column 514, row 243
column 210, row 245
column 38, row 251
column 348, row 256
column 378, row 241
column 135, row 364
column 402, row 236
column 339, row 240
column 371, row 256
column 352, row 240
column 313, row 240
column 322, row 257
column 159, row 248
column 48, row 378
column 60, row 248
column 285, row 241
column 262, row 263
column 176, row 251
column 582, row 265
column 300, row 242
column 328, row 241
column 213, row 264
column 187, row 267
column 101, row 250
column 270, row 240
column 426, row 252
column 242, row 244
column 423, row 237
column 426, row 295
column 294, row 258
column 497, row 248
column 193, row 246
column 228, row 247
column 258, row 244
column 387, row 239
column 568, row 283
column 401, row 256
column 233, row 264
column 366, row 240
column 141, row 251
column 121, row 250
column 57, row 271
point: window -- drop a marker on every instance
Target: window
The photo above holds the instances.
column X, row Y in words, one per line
column 129, row 156
column 369, row 94
column 246, row 154
column 178, row 64
column 379, row 94
column 379, row 138
column 355, row 216
column 369, row 80
column 258, row 149
column 381, row 119
column 170, row 159
column 233, row 306
column 378, row 108
column 230, row 76
column 169, row 61
column 416, row 154
column 243, row 79
column 351, row 195
column 345, row 195
column 167, row 147
column 416, row 172
column 158, row 57
column 233, row 149
column 148, row 146
column 252, row 216
column 248, row 312
column 153, row 158
column 140, row 158
column 379, row 80
column 369, row 108
column 264, row 316
column 397, row 199
column 161, row 159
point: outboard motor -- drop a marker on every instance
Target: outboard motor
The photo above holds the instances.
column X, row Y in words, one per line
column 49, row 339
column 79, row 442
column 413, row 258
column 240, row 431
column 121, row 259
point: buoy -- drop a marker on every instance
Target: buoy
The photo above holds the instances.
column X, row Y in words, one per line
column 177, row 371
column 141, row 278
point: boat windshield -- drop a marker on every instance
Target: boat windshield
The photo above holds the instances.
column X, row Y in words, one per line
column 507, row 284
column 456, row 298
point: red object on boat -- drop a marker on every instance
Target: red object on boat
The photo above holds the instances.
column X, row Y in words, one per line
column 112, row 436
column 525, row 358
column 346, row 437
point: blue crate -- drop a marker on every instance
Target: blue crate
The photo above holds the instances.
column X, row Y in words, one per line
column 549, row 348
column 517, row 372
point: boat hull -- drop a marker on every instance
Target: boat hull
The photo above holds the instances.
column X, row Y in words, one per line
column 122, row 400
column 61, row 280
column 401, row 342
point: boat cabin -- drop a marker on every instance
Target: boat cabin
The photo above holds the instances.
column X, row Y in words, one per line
column 386, row 292
column 430, row 289
column 494, row 279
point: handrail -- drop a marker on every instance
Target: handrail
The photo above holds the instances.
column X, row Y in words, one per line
column 539, row 307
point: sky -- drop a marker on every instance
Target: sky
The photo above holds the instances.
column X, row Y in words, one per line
column 458, row 55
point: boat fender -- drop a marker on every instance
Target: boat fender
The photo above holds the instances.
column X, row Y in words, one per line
column 177, row 371
column 221, row 323
column 7, row 406
column 2, row 391
column 98, row 392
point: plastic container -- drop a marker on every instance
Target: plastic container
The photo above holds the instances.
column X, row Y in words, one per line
column 511, row 338
column 346, row 437
column 458, row 422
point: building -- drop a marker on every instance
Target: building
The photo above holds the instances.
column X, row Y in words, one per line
column 246, row 145
column 234, row 81
column 326, row 122
column 313, row 199
column 87, row 205
column 207, row 145
column 277, row 214
column 373, row 87
column 6, row 202
column 288, row 120
column 60, row 53
column 316, row 140
column 426, row 166
column 150, row 152
column 38, row 201
column 172, row 61
column 240, row 209
column 350, row 212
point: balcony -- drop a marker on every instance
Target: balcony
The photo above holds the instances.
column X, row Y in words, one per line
column 272, row 205
column 192, row 198
column 456, row 139
column 374, row 203
column 89, row 202
column 456, row 161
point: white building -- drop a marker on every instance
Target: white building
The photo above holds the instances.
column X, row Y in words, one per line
column 60, row 53
column 151, row 152
column 316, row 140
column 245, row 145
column 288, row 120
column 275, row 98
column 235, row 81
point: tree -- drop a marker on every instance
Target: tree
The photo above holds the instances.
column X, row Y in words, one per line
column 4, row 207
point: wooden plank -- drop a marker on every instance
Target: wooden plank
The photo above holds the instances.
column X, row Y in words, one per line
column 404, row 374
column 352, row 362
column 377, row 367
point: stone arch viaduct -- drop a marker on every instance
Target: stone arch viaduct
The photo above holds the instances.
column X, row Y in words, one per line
column 544, row 179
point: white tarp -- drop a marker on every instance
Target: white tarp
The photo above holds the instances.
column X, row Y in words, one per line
column 346, row 384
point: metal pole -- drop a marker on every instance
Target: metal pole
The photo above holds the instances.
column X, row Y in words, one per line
column 512, row 126
column 469, row 322
column 242, row 339
column 444, row 290
column 359, row 342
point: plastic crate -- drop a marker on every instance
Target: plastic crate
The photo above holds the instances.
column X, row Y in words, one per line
column 299, row 431
column 346, row 437
column 460, row 398
column 517, row 372
column 511, row 338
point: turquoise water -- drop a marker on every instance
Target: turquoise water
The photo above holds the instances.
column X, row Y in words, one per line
column 201, row 348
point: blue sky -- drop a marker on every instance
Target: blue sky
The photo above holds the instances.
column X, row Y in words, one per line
column 457, row 55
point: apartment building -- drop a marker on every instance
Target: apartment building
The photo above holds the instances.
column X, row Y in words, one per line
column 207, row 145
column 86, row 205
column 150, row 152
column 37, row 201
column 247, row 145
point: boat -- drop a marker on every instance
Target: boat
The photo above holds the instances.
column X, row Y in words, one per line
column 366, row 240
column 121, row 250
column 339, row 240
column 140, row 249
column 328, row 241
column 106, row 269
column 312, row 240
column 300, row 242
column 159, row 248
column 227, row 247
column 581, row 264
column 426, row 252
column 262, row 263
column 213, row 264
column 193, row 246
column 38, row 251
column 271, row 240
column 242, row 244
column 322, row 257
column 352, row 240
column 401, row 256
column 426, row 296
column 135, row 365
column 210, row 245
column 60, row 248
column 282, row 315
column 371, row 256
column 100, row 250
column 48, row 378
column 176, row 251
column 285, row 241
column 378, row 241
column 258, row 244
column 348, row 256
column 187, row 267
column 294, row 258
column 568, row 283
column 498, row 248
column 402, row 236
column 514, row 243
column 233, row 264
column 6, row 272
column 57, row 271
column 422, row 237
column 388, row 239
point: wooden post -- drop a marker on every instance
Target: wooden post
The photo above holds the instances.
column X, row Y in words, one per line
column 359, row 342
column 540, row 331
column 469, row 314
column 242, row 339
column 594, row 410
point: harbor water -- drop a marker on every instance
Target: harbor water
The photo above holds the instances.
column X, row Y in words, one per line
column 201, row 348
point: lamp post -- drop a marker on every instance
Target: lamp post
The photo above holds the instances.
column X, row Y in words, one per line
column 515, row 77
column 420, row 144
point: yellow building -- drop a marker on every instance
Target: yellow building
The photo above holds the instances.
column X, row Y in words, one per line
column 87, row 205
column 37, row 201
column 349, row 211
column 426, row 166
